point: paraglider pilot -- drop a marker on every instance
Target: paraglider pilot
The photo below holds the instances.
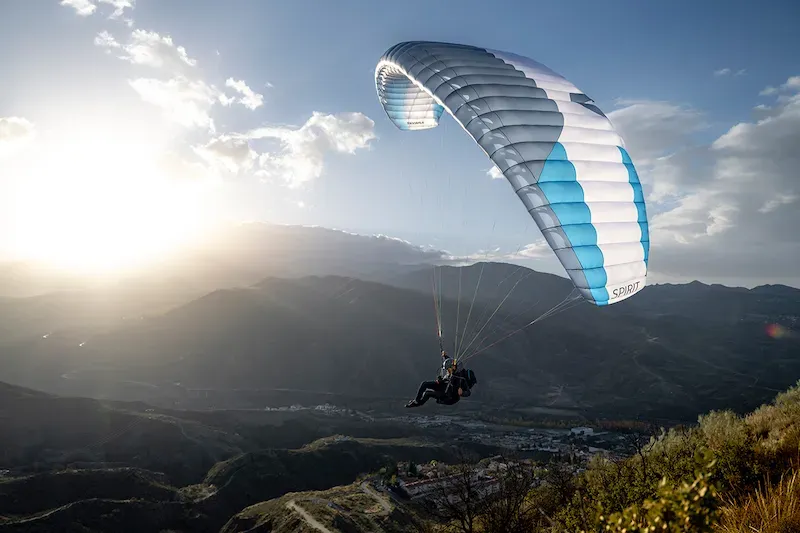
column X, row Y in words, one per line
column 450, row 385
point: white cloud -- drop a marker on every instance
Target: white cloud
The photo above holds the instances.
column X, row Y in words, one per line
column 535, row 250
column 249, row 99
column 779, row 200
column 150, row 49
column 229, row 153
column 86, row 8
column 538, row 254
column 737, row 217
column 15, row 133
column 83, row 8
column 303, row 150
column 791, row 85
column 106, row 40
column 729, row 72
column 660, row 139
column 495, row 173
column 653, row 129
column 183, row 101
column 119, row 7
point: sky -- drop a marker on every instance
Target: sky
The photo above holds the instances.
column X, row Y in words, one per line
column 128, row 127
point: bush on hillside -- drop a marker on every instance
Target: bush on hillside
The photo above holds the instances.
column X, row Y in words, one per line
column 676, row 509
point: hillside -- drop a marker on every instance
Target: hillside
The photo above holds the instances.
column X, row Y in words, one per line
column 172, row 470
column 363, row 341
column 322, row 483
column 208, row 329
column 247, row 479
column 726, row 474
column 352, row 508
column 44, row 433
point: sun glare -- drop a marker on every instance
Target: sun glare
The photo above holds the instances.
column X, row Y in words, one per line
column 99, row 206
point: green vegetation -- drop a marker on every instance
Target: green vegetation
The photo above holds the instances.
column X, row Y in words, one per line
column 726, row 471
column 727, row 474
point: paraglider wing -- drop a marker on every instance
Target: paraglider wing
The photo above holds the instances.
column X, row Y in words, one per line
column 556, row 148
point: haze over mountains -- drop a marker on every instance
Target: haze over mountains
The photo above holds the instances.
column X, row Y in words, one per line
column 270, row 308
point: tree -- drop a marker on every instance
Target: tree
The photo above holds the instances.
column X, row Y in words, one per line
column 495, row 500
column 456, row 496
column 510, row 507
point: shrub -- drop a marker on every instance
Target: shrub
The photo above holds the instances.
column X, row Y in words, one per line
column 685, row 507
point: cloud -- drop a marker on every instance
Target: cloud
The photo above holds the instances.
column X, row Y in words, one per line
column 106, row 40
column 86, row 8
column 185, row 99
column 151, row 49
column 660, row 137
column 119, row 7
column 15, row 133
column 791, row 85
column 249, row 99
column 186, row 102
column 779, row 200
column 728, row 72
column 231, row 154
column 653, row 128
column 83, row 8
column 535, row 250
column 495, row 173
column 736, row 218
column 302, row 150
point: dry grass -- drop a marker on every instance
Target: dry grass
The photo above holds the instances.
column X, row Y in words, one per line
column 771, row 509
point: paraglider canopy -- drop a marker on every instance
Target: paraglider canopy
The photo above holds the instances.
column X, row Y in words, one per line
column 556, row 148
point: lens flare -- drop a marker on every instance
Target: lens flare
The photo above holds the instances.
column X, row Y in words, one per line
column 776, row 331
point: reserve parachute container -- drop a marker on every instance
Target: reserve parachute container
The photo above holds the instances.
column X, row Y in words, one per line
column 556, row 148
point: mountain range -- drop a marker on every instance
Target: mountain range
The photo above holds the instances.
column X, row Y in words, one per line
column 249, row 321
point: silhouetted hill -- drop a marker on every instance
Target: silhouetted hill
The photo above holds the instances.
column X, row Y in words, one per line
column 38, row 492
column 358, row 339
column 43, row 432
column 234, row 256
column 97, row 515
column 524, row 287
column 672, row 351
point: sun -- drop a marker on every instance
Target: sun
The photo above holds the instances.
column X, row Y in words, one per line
column 97, row 204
